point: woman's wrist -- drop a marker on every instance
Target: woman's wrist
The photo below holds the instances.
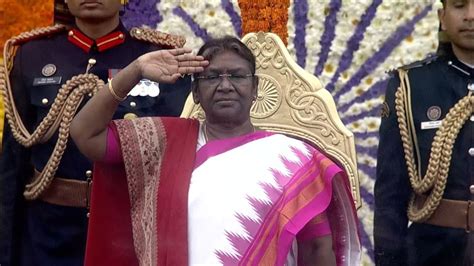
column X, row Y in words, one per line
column 134, row 72
column 137, row 66
column 117, row 97
column 125, row 80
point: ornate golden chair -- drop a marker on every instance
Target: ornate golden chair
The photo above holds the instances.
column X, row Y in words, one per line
column 293, row 102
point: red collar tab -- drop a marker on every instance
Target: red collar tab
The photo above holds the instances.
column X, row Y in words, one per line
column 110, row 40
column 85, row 43
column 80, row 40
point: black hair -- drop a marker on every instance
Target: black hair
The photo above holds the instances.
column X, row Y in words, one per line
column 228, row 43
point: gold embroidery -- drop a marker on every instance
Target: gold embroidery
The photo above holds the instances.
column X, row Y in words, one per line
column 385, row 110
column 157, row 37
column 143, row 143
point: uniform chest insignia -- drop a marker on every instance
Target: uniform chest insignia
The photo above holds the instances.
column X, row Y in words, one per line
column 385, row 110
column 48, row 70
column 146, row 88
column 433, row 113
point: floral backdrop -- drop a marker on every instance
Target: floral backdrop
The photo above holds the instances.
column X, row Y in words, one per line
column 349, row 44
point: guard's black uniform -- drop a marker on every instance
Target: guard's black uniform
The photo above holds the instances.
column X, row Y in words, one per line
column 437, row 85
column 36, row 232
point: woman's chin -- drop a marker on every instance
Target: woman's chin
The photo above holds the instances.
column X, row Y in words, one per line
column 226, row 116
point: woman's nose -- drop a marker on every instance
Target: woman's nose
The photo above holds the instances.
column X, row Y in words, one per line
column 225, row 84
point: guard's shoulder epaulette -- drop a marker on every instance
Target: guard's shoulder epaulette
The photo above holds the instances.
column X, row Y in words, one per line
column 428, row 60
column 37, row 33
column 158, row 37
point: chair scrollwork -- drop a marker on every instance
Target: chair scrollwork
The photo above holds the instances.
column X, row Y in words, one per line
column 293, row 102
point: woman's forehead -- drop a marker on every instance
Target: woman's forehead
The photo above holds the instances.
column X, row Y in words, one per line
column 227, row 60
column 221, row 68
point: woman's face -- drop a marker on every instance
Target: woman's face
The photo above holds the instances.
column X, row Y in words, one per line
column 226, row 99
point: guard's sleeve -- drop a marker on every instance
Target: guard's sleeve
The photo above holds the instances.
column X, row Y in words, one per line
column 14, row 169
column 392, row 188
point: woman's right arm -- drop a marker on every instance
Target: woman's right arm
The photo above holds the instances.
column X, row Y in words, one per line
column 89, row 127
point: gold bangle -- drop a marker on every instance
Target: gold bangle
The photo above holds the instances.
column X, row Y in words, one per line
column 112, row 91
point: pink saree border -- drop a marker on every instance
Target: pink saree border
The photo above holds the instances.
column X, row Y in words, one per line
column 309, row 175
column 345, row 234
column 319, row 230
column 318, row 205
column 216, row 147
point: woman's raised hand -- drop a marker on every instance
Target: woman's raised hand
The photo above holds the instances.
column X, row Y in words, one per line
column 167, row 66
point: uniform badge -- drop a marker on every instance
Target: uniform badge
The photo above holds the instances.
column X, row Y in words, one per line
column 48, row 70
column 433, row 113
column 385, row 110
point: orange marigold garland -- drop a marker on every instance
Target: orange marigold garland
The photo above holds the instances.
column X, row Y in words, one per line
column 265, row 15
column 23, row 15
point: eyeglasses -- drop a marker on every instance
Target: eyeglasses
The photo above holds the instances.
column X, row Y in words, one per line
column 216, row 79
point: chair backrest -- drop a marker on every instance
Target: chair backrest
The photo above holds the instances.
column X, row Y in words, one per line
column 293, row 102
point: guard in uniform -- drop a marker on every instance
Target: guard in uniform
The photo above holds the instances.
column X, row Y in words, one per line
column 43, row 210
column 424, row 191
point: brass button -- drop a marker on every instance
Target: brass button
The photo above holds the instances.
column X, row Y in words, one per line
column 70, row 33
column 90, row 94
column 92, row 61
column 133, row 104
column 88, row 173
column 471, row 151
column 120, row 36
column 471, row 188
column 88, row 214
column 472, row 118
column 45, row 101
column 130, row 116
